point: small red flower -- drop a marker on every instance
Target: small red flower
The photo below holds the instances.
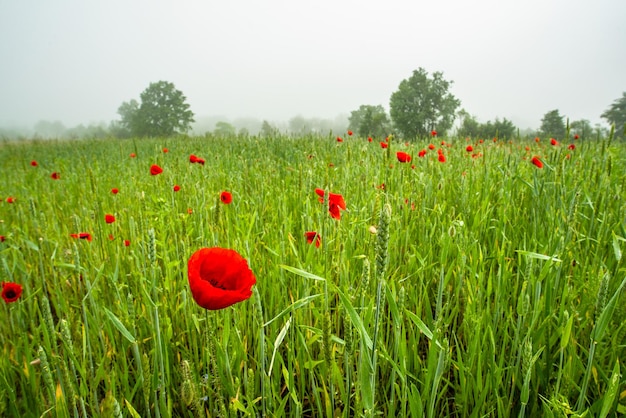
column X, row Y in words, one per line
column 321, row 194
column 165, row 150
column 133, row 155
column 441, row 158
column 115, row 190
column 422, row 153
column 369, row 139
column 111, row 237
column 335, row 203
column 82, row 235
column 313, row 236
column 176, row 187
column 219, row 278
column 403, row 157
column 126, row 243
column 349, row 132
column 554, row 142
column 431, row 146
column 537, row 139
column 10, row 199
column 189, row 211
column 339, row 139
column 537, row 162
column 193, row 159
column 11, row 292
column 2, row 238
column 226, row 197
column 576, row 136
column 55, row 176
column 155, row 170
column 384, row 144
column 433, row 133
column 469, row 148
column 34, row 163
column 571, row 146
column 108, row 218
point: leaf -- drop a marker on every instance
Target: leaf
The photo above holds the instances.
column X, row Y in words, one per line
column 611, row 391
column 132, row 410
column 302, row 273
column 538, row 256
column 616, row 248
column 355, row 318
column 296, row 305
column 120, row 327
column 420, row 324
column 607, row 314
column 279, row 339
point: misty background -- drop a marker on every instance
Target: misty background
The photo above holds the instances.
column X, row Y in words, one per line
column 67, row 66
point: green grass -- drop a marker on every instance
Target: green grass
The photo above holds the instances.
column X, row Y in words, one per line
column 497, row 292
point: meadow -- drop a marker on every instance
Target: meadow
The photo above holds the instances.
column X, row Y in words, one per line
column 479, row 286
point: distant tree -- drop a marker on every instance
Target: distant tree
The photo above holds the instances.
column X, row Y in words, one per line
column 224, row 129
column 299, row 125
column 502, row 129
column 422, row 104
column 47, row 129
column 369, row 120
column 582, row 128
column 552, row 125
column 163, row 112
column 616, row 115
column 268, row 130
column 470, row 127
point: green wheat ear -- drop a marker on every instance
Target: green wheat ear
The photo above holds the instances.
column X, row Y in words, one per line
column 382, row 241
column 47, row 374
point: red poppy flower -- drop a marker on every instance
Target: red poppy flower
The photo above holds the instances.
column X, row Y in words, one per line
column 321, row 194
column 433, row 133
column 384, row 145
column 339, row 139
column 369, row 139
column 34, row 163
column 537, row 139
column 480, row 141
column 176, row 187
column 111, row 237
column 55, row 176
column 126, row 243
column 537, row 162
column 403, row 157
column 11, row 292
column 10, row 199
column 133, row 155
column 571, row 146
column 554, row 141
column 2, row 238
column 155, row 169
column 219, row 278
column 431, row 146
column 335, row 203
column 115, row 190
column 82, row 235
column 313, row 236
column 193, row 159
column 108, row 218
column 165, row 150
column 421, row 153
column 226, row 197
column 189, row 211
column 349, row 132
column 200, row 161
column 441, row 158
column 576, row 136
column 469, row 148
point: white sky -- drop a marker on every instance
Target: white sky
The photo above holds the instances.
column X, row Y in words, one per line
column 77, row 61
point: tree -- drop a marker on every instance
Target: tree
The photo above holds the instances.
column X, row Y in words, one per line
column 616, row 115
column 582, row 128
column 369, row 120
column 552, row 125
column 422, row 104
column 163, row 112
column 224, row 129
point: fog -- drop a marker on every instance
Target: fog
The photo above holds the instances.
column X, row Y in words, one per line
column 75, row 62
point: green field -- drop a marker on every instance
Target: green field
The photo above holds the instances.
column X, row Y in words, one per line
column 480, row 286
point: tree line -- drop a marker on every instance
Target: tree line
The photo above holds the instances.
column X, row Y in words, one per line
column 422, row 104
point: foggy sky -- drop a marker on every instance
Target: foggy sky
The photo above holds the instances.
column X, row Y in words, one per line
column 77, row 61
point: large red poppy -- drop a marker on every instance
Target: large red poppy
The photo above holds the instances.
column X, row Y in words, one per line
column 403, row 157
column 155, row 169
column 11, row 292
column 219, row 278
column 108, row 218
column 384, row 145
